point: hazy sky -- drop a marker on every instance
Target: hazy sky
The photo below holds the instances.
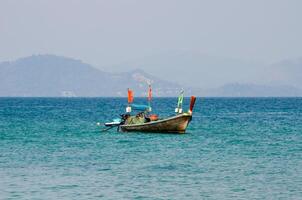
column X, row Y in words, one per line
column 105, row 33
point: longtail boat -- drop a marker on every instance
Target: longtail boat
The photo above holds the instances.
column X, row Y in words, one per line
column 143, row 121
column 174, row 124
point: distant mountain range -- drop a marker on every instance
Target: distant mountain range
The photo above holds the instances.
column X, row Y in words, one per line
column 194, row 69
column 55, row 76
column 48, row 75
column 287, row 72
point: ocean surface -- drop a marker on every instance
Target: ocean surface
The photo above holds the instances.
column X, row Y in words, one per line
column 235, row 148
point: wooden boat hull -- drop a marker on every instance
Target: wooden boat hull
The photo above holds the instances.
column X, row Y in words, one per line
column 175, row 124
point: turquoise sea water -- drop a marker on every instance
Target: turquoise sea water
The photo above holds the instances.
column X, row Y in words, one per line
column 235, row 148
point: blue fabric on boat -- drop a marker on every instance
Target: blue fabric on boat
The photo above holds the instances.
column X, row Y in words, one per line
column 140, row 107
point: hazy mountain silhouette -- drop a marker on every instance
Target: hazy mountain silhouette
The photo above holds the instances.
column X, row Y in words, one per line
column 288, row 72
column 194, row 69
column 49, row 75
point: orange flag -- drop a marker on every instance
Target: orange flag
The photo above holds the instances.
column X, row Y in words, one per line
column 130, row 96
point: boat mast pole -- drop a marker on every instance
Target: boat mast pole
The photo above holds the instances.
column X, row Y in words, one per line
column 149, row 97
column 130, row 100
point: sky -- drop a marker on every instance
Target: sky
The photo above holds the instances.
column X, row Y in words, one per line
column 109, row 33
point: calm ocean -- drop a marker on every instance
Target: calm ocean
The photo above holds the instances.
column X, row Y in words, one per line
column 235, row 148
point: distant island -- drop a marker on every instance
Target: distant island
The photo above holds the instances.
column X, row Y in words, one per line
column 56, row 76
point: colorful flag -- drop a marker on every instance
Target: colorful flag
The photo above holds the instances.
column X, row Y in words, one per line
column 180, row 99
column 130, row 96
column 192, row 102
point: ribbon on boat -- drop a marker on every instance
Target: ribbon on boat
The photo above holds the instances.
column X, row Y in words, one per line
column 179, row 102
column 180, row 99
column 192, row 102
column 130, row 96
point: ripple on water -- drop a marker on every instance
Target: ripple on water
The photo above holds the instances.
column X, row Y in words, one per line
column 238, row 148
